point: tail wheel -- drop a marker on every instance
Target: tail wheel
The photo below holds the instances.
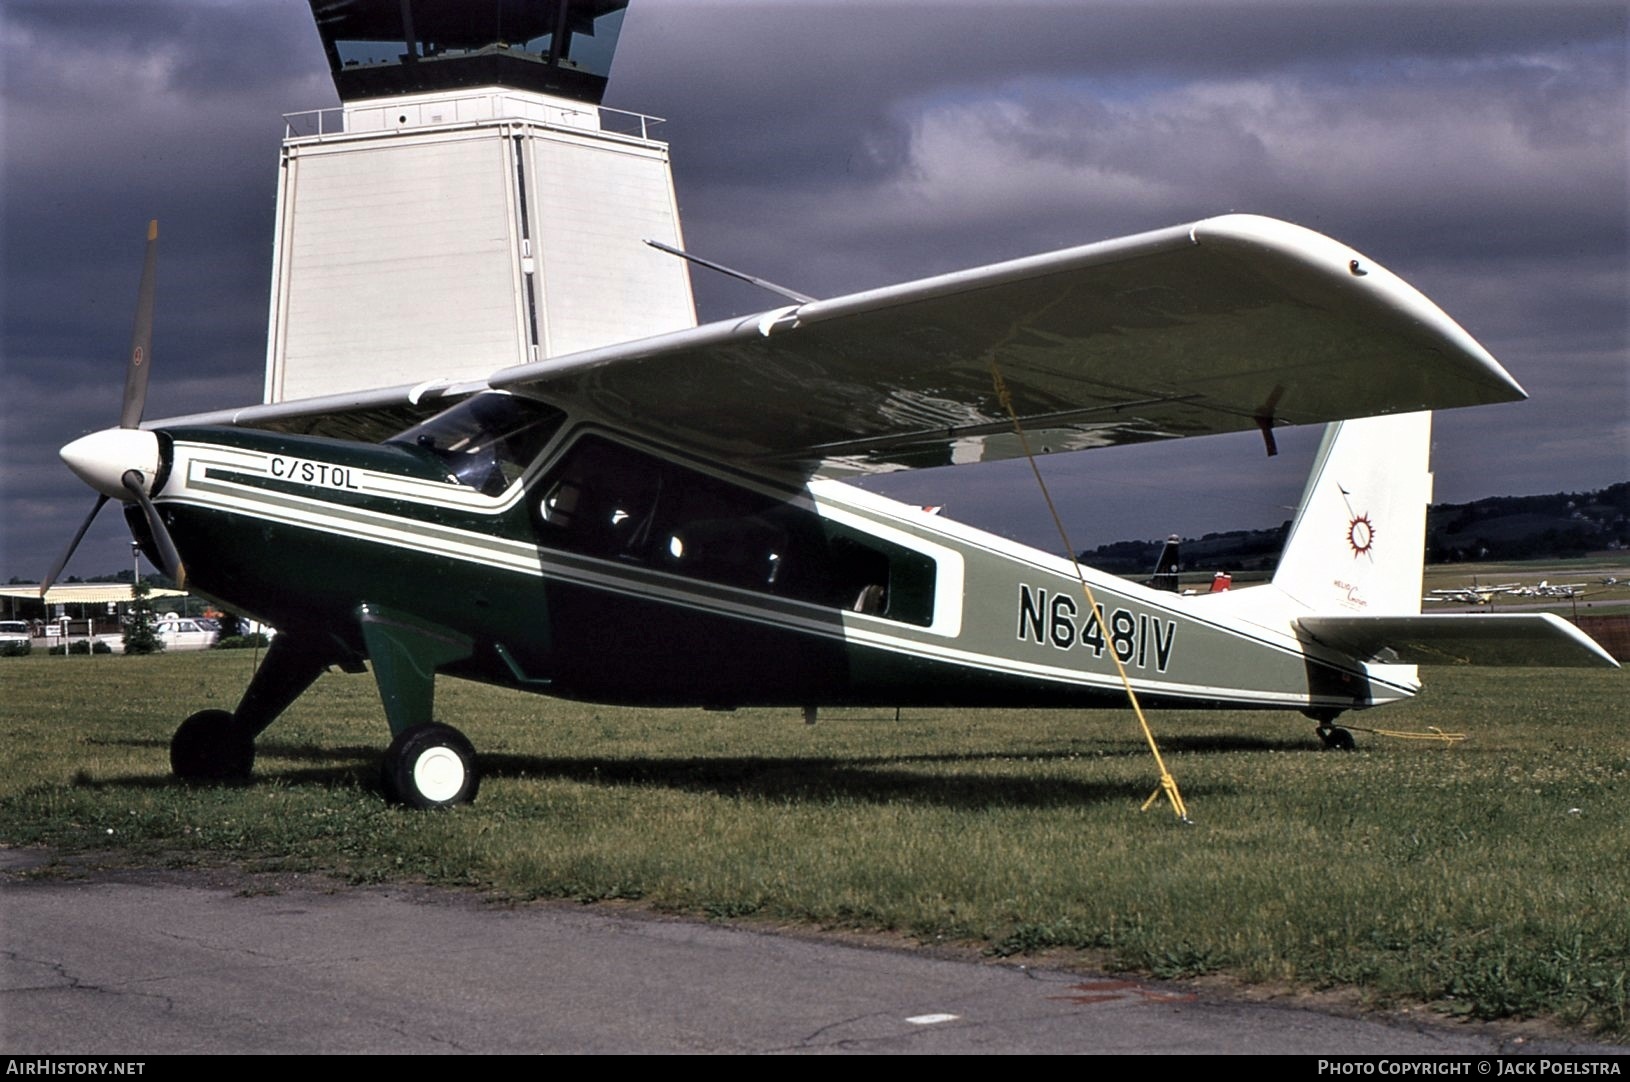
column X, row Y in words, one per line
column 1336, row 738
column 211, row 746
column 430, row 766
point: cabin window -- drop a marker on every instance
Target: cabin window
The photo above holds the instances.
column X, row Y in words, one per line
column 487, row 441
column 606, row 500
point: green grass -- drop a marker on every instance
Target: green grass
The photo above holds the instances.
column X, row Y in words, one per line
column 1488, row 878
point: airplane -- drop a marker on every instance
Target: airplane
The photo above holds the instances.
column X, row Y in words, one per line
column 663, row 521
column 1474, row 594
column 1545, row 588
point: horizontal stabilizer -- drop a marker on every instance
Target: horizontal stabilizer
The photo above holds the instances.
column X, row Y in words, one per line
column 1460, row 639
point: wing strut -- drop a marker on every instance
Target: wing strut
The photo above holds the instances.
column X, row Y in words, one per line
column 790, row 294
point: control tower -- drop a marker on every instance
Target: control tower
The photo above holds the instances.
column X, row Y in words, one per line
column 470, row 205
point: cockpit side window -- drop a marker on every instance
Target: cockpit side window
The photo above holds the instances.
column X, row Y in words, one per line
column 613, row 502
column 486, row 441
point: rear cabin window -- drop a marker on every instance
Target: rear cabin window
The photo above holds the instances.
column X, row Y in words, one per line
column 610, row 501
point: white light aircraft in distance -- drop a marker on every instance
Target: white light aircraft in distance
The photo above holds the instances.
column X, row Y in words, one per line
column 1471, row 595
column 1545, row 588
column 662, row 521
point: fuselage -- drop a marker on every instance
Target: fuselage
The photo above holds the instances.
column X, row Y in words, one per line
column 593, row 565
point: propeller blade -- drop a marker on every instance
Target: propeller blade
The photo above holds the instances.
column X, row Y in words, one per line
column 167, row 554
column 141, row 337
column 62, row 562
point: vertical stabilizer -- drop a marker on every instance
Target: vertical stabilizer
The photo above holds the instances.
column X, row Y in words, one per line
column 1358, row 542
column 1167, row 567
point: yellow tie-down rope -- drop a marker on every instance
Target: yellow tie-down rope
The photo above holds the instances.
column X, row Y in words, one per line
column 1168, row 784
column 1432, row 733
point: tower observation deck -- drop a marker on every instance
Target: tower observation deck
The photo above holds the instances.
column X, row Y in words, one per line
column 378, row 48
column 470, row 205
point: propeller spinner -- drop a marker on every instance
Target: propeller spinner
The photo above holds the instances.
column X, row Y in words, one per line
column 122, row 463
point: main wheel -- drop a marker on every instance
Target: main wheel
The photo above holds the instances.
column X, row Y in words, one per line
column 212, row 746
column 430, row 766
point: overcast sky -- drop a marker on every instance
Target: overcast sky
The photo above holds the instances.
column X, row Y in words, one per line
column 1478, row 149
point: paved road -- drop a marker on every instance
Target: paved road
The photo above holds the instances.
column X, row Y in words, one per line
column 143, row 962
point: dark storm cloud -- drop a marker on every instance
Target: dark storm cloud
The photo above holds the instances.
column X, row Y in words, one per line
column 1479, row 149
column 805, row 91
column 68, row 50
column 123, row 111
column 114, row 113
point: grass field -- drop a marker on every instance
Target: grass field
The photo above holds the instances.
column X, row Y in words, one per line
column 1487, row 878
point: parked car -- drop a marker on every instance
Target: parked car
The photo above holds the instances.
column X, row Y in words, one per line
column 184, row 633
column 14, row 638
column 175, row 632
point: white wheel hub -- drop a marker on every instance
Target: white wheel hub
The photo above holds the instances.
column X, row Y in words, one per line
column 438, row 774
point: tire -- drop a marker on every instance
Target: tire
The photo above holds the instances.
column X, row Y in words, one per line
column 1338, row 739
column 430, row 766
column 211, row 746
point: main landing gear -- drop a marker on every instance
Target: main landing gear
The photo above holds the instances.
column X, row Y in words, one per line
column 430, row 766
column 427, row 765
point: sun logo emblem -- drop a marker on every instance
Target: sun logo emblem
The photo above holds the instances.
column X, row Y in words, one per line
column 1360, row 535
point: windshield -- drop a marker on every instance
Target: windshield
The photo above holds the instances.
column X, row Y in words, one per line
column 486, row 441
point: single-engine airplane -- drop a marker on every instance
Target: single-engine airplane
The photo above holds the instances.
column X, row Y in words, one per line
column 1546, row 588
column 661, row 522
column 1475, row 594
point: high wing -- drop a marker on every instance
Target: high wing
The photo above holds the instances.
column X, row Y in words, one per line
column 1229, row 324
column 368, row 416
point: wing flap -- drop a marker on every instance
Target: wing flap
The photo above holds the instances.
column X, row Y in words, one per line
column 1230, row 324
column 1460, row 639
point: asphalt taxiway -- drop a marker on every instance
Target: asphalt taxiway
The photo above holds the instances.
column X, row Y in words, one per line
column 130, row 962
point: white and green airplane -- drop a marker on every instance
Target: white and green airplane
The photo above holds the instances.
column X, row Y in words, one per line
column 661, row 521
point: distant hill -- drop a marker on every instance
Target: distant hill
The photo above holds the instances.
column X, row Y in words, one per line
column 1557, row 526
column 1530, row 527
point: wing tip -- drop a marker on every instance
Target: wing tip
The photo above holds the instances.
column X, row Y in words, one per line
column 1582, row 640
column 1338, row 263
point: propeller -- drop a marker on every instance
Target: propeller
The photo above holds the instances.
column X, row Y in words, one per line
column 141, row 337
column 62, row 561
column 136, row 485
column 104, row 459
